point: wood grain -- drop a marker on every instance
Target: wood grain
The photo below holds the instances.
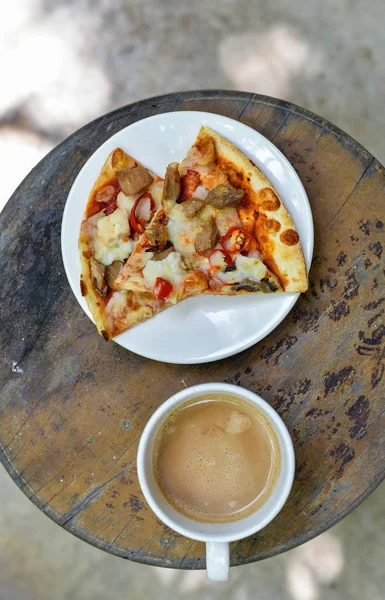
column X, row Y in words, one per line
column 72, row 407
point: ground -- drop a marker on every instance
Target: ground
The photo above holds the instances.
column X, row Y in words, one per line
column 64, row 63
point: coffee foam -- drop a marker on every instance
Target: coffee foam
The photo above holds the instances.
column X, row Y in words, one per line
column 216, row 458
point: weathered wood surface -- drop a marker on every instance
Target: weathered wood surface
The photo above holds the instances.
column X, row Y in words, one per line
column 73, row 407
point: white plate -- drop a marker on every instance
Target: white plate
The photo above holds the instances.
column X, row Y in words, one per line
column 204, row 328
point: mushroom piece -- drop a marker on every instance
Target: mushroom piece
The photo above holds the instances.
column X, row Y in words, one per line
column 191, row 207
column 191, row 262
column 157, row 233
column 112, row 272
column 207, row 237
column 171, row 186
column 98, row 272
column 163, row 253
column 133, row 181
column 250, row 285
column 270, row 284
column 224, row 196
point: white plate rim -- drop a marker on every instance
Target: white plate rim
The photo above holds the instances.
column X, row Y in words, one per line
column 239, row 347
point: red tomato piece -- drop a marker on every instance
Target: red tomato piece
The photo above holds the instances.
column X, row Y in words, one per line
column 162, row 289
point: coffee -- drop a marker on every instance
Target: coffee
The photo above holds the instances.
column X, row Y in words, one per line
column 216, row 458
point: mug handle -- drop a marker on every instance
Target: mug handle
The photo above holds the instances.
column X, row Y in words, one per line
column 217, row 560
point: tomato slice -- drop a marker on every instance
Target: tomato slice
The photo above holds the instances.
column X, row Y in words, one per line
column 162, row 289
column 236, row 240
column 141, row 212
column 220, row 259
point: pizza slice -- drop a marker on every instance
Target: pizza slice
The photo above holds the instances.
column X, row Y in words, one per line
column 120, row 206
column 222, row 229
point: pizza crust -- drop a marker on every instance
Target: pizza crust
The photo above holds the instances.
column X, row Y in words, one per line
column 273, row 228
column 120, row 310
column 111, row 320
column 262, row 214
column 118, row 159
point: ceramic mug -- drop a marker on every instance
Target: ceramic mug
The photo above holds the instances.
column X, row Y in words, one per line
column 217, row 536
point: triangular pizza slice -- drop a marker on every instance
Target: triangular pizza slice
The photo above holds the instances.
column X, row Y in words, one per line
column 120, row 206
column 221, row 229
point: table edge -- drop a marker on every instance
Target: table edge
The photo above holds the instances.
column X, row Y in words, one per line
column 116, row 114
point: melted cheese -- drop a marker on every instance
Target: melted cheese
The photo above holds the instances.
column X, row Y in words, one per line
column 156, row 191
column 113, row 227
column 126, row 202
column 183, row 230
column 174, row 261
column 108, row 254
column 169, row 268
column 246, row 268
column 105, row 233
column 154, row 269
column 250, row 268
column 201, row 192
column 118, row 250
column 107, row 242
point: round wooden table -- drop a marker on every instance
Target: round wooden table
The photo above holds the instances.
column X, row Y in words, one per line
column 73, row 407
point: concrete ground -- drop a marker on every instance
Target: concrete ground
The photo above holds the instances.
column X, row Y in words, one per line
column 64, row 63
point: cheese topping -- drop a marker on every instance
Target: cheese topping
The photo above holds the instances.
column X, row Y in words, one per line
column 246, row 268
column 113, row 227
column 156, row 191
column 106, row 239
column 126, row 202
column 182, row 230
column 169, row 268
column 108, row 236
column 201, row 192
column 107, row 255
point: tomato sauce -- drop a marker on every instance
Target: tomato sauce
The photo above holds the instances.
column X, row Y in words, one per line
column 94, row 207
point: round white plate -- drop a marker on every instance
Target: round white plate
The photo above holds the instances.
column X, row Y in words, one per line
column 203, row 328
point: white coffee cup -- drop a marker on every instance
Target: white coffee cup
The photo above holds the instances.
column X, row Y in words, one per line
column 216, row 535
